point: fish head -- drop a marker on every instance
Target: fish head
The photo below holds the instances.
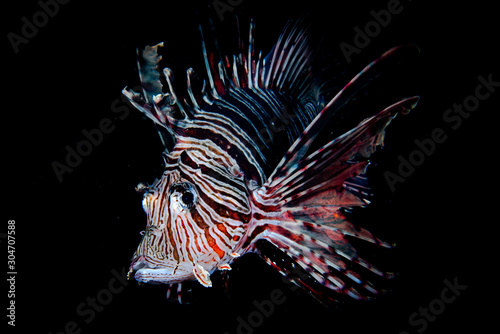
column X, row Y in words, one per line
column 196, row 217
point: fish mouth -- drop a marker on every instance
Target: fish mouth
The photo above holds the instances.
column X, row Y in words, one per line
column 166, row 273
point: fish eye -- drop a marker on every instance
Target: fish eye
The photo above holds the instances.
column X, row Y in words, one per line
column 184, row 193
column 187, row 197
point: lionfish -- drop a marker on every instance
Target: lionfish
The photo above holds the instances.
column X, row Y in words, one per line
column 240, row 168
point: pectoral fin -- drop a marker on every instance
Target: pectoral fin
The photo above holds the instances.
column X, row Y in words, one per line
column 224, row 266
column 202, row 275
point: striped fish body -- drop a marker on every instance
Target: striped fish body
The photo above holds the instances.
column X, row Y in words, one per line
column 238, row 169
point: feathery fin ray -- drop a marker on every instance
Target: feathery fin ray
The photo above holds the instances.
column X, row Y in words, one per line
column 309, row 192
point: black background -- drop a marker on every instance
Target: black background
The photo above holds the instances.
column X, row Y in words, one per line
column 72, row 234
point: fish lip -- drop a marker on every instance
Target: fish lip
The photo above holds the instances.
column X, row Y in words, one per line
column 149, row 275
column 139, row 267
column 163, row 273
column 160, row 275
